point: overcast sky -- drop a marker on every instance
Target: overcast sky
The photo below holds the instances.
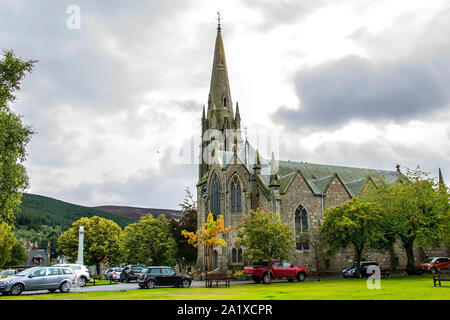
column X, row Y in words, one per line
column 356, row 82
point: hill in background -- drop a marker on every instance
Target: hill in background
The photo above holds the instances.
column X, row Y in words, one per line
column 37, row 210
column 136, row 213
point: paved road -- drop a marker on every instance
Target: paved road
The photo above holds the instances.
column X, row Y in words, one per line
column 134, row 286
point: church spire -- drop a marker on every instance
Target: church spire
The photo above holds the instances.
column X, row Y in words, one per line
column 441, row 178
column 219, row 91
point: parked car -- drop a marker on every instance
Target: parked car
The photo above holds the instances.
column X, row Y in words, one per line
column 81, row 271
column 8, row 273
column 130, row 272
column 433, row 265
column 351, row 272
column 113, row 274
column 162, row 276
column 39, row 278
column 279, row 270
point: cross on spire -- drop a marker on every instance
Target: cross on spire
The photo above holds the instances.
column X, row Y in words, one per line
column 218, row 21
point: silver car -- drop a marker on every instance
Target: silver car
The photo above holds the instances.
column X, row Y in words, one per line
column 39, row 278
column 113, row 274
column 8, row 273
column 81, row 271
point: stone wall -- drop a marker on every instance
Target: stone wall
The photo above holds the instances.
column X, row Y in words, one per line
column 298, row 193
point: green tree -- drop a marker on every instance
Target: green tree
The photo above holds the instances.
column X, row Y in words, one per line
column 101, row 241
column 186, row 253
column 265, row 237
column 415, row 209
column 14, row 136
column 355, row 222
column 7, row 242
column 19, row 254
column 149, row 242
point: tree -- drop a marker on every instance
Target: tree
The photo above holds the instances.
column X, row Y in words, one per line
column 101, row 241
column 354, row 222
column 14, row 136
column 7, row 242
column 186, row 253
column 149, row 242
column 417, row 210
column 19, row 254
column 209, row 236
column 265, row 237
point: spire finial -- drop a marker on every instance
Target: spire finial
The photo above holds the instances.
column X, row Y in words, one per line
column 218, row 21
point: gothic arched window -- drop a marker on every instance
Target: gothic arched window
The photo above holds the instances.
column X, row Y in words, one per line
column 216, row 259
column 239, row 256
column 215, row 195
column 233, row 256
column 301, row 228
column 236, row 203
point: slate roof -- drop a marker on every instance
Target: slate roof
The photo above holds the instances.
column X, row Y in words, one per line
column 317, row 176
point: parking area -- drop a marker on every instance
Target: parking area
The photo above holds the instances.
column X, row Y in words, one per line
column 134, row 286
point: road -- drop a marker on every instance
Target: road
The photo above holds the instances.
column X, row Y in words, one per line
column 134, row 286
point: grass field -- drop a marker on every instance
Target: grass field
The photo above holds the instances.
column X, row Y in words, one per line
column 395, row 288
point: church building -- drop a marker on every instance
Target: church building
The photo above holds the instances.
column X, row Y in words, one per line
column 238, row 179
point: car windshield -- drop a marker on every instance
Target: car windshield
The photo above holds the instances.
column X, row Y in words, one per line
column 429, row 260
column 26, row 272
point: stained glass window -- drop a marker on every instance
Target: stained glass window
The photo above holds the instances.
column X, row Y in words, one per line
column 301, row 228
column 236, row 203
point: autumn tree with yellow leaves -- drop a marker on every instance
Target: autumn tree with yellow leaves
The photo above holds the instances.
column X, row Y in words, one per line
column 209, row 236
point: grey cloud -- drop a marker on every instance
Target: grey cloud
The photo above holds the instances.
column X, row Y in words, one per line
column 282, row 12
column 334, row 93
column 406, row 79
column 162, row 188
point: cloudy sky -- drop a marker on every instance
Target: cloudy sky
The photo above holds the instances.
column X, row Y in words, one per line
column 354, row 82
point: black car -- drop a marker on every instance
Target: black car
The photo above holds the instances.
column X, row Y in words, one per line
column 130, row 272
column 162, row 277
column 351, row 272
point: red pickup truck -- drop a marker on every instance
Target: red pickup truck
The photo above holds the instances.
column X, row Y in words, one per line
column 279, row 270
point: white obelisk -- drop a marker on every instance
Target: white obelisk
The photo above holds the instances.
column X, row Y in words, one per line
column 80, row 245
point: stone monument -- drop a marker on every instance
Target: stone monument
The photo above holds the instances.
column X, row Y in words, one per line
column 80, row 245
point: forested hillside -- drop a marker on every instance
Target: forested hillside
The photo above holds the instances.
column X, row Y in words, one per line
column 43, row 219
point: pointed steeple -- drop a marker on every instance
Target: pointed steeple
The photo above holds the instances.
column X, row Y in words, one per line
column 441, row 178
column 237, row 117
column 274, row 179
column 219, row 91
column 257, row 164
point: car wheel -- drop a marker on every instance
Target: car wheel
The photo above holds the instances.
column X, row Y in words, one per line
column 434, row 270
column 52, row 290
column 150, row 284
column 266, row 278
column 16, row 289
column 82, row 281
column 64, row 287
column 301, row 276
column 256, row 279
column 185, row 283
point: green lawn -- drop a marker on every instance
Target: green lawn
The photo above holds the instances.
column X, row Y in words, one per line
column 395, row 288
